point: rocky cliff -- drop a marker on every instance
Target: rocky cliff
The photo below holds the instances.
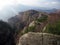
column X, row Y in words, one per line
column 39, row 39
column 23, row 19
column 35, row 21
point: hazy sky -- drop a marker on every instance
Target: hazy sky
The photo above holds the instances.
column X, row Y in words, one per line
column 35, row 3
column 39, row 3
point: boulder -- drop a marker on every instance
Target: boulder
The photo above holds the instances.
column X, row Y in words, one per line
column 32, row 38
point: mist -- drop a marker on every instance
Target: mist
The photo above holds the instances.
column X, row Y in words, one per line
column 10, row 8
column 10, row 11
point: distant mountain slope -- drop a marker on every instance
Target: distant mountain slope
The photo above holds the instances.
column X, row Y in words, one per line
column 25, row 18
column 26, row 21
column 12, row 10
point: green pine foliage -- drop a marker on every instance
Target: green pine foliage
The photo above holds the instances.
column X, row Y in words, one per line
column 30, row 29
column 42, row 18
column 54, row 29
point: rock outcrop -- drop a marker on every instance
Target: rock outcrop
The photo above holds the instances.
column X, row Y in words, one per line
column 39, row 39
column 24, row 18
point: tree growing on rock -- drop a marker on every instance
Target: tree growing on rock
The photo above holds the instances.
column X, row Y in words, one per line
column 6, row 34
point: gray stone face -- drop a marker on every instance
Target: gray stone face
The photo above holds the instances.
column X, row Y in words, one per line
column 39, row 39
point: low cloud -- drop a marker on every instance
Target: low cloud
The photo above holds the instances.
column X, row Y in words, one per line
column 40, row 3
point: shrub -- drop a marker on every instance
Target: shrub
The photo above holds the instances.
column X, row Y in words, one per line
column 30, row 29
column 42, row 18
column 54, row 29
